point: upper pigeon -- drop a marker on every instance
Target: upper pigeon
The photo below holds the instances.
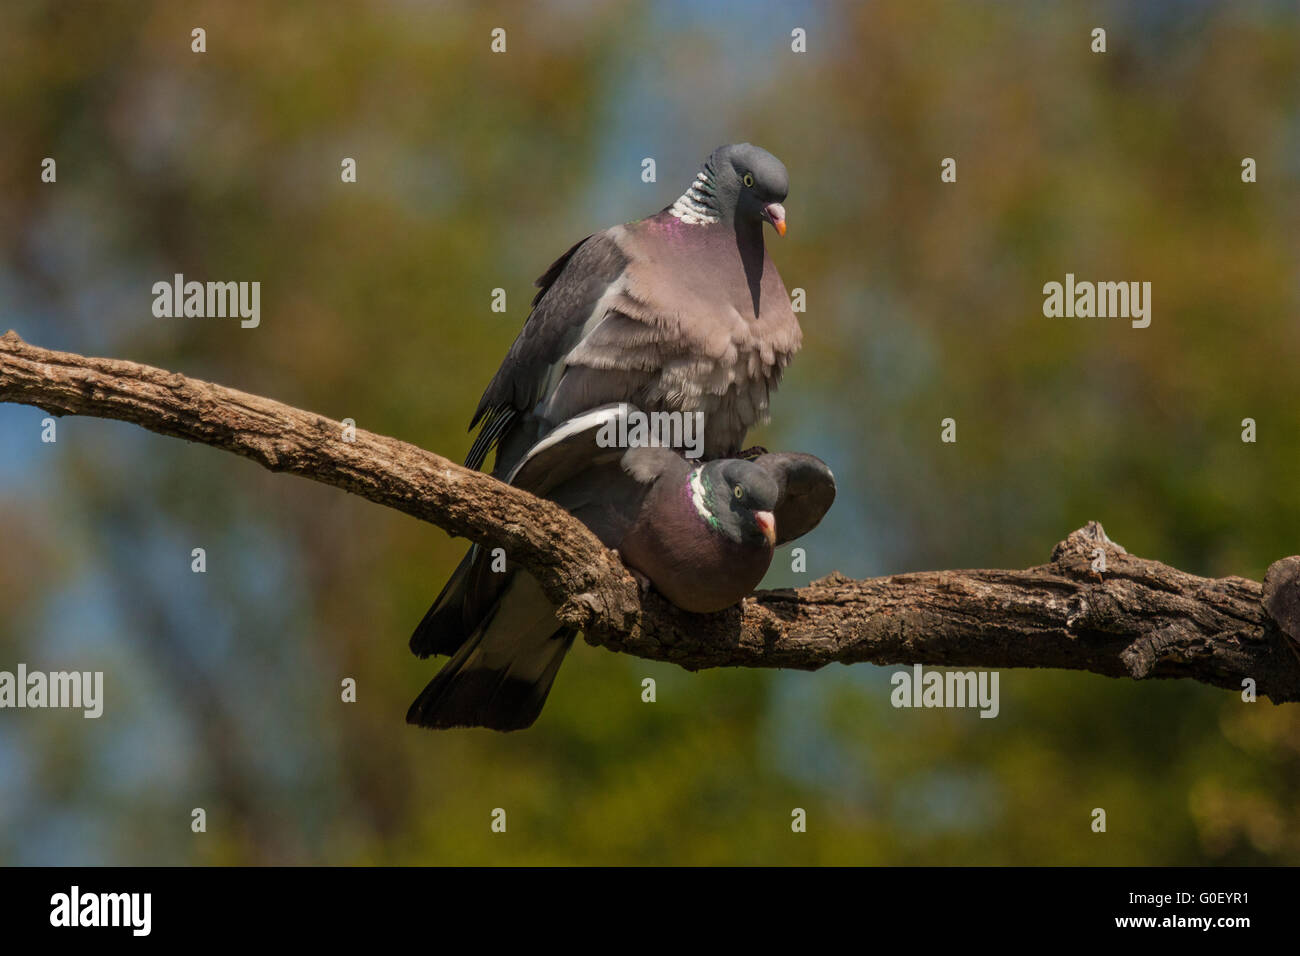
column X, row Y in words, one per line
column 681, row 311
column 702, row 533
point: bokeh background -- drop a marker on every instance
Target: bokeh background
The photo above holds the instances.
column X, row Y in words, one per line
column 475, row 171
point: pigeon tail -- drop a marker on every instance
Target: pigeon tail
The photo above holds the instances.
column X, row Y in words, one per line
column 501, row 676
column 442, row 629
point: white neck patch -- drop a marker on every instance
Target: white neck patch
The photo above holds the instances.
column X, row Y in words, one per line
column 698, row 494
column 696, row 204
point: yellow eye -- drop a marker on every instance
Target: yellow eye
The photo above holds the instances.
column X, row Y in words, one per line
column 739, row 492
column 749, row 179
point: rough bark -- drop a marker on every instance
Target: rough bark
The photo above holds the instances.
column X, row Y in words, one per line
column 1134, row 617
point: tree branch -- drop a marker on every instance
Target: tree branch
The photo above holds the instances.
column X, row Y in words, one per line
column 1136, row 618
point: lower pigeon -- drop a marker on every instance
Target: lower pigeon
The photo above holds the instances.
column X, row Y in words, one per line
column 702, row 534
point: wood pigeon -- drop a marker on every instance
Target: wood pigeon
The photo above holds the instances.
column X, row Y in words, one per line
column 681, row 311
column 702, row 533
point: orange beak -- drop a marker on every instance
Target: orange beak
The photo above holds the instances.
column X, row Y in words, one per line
column 767, row 522
column 775, row 214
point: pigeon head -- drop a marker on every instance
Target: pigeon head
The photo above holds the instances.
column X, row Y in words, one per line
column 737, row 183
column 737, row 498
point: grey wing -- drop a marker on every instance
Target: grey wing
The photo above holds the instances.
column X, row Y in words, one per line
column 807, row 491
column 571, row 448
column 565, row 308
column 571, row 467
column 581, row 466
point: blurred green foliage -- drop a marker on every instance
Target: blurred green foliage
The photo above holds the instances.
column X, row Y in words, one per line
column 474, row 171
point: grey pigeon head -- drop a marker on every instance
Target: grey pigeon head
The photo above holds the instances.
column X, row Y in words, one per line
column 739, row 183
column 741, row 496
column 706, row 534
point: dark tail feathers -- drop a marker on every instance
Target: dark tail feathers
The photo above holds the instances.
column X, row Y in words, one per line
column 500, row 676
column 442, row 630
column 468, row 695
